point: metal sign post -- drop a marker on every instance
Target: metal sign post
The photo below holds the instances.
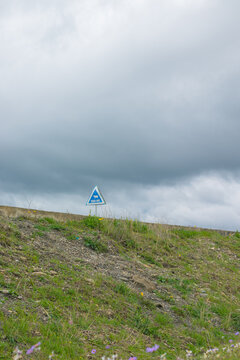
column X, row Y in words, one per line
column 96, row 199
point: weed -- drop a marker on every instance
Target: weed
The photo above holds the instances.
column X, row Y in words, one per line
column 163, row 320
column 51, row 224
column 38, row 233
column 191, row 234
column 92, row 222
column 179, row 311
column 122, row 288
column 237, row 234
column 129, row 243
column 144, row 324
column 41, row 227
column 166, row 297
column 94, row 244
column 150, row 259
column 5, row 240
column 235, row 321
column 121, row 232
column 139, row 227
column 182, row 285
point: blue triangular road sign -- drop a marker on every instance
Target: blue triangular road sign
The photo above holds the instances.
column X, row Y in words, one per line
column 96, row 198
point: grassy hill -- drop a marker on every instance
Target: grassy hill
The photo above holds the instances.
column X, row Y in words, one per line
column 86, row 288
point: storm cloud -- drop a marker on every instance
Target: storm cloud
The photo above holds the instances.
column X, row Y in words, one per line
column 137, row 97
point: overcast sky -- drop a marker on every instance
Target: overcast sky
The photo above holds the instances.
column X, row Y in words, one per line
column 140, row 97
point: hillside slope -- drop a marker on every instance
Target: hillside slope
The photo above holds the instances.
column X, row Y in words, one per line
column 81, row 284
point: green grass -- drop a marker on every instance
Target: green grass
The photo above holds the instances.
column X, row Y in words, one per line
column 182, row 285
column 92, row 222
column 94, row 244
column 50, row 293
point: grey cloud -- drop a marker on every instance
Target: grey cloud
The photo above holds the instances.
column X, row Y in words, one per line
column 140, row 94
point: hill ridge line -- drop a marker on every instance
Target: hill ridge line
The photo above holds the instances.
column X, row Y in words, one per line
column 14, row 212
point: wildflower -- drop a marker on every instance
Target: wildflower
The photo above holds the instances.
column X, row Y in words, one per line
column 108, row 347
column 34, row 347
column 93, row 351
column 132, row 358
column 29, row 351
column 70, row 322
column 141, row 293
column 230, row 341
column 237, row 333
column 151, row 349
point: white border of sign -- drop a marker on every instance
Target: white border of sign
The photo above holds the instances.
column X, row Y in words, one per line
column 100, row 195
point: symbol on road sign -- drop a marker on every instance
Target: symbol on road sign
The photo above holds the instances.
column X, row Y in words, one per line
column 96, row 198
